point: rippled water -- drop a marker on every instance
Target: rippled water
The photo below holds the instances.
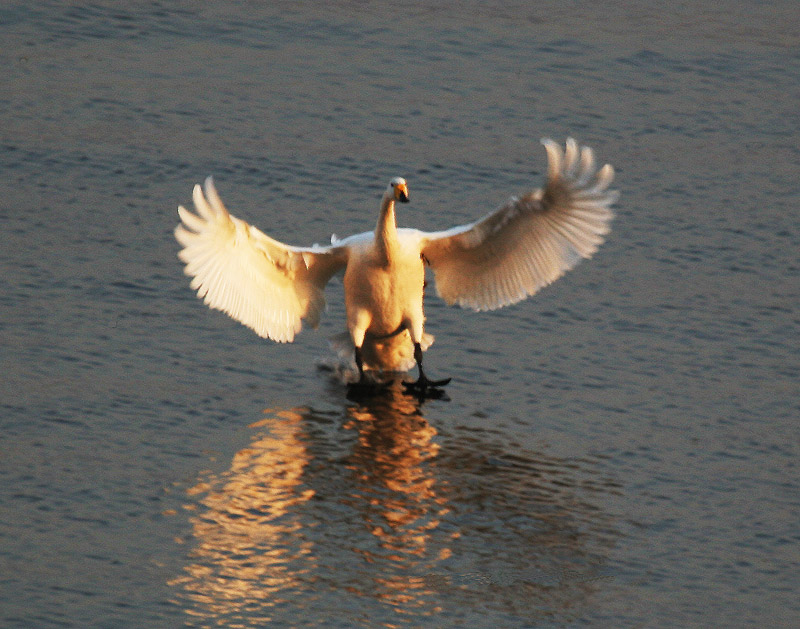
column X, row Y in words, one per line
column 620, row 450
column 374, row 512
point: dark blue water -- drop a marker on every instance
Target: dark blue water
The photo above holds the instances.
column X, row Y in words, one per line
column 621, row 450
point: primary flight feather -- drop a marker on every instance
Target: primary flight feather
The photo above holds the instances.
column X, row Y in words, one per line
column 498, row 260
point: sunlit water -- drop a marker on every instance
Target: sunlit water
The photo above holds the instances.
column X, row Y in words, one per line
column 374, row 511
column 620, row 450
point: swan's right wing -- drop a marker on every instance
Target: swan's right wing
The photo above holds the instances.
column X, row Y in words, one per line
column 268, row 286
column 529, row 242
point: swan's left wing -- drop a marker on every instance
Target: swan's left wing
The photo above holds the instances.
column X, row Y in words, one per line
column 530, row 242
column 266, row 285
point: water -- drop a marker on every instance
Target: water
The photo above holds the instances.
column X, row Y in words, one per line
column 620, row 450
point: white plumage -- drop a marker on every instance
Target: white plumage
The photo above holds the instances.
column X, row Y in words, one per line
column 498, row 260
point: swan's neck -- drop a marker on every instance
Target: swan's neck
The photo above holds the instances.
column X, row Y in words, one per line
column 386, row 231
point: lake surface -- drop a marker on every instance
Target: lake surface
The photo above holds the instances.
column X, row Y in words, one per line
column 620, row 450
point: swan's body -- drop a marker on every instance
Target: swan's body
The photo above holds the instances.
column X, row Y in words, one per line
column 499, row 260
column 383, row 285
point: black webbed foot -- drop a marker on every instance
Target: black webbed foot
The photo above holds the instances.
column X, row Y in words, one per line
column 424, row 389
column 366, row 388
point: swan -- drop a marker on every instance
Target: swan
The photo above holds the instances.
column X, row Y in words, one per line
column 498, row 260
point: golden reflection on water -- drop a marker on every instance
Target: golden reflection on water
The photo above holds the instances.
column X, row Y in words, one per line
column 397, row 497
column 252, row 546
column 332, row 510
column 398, row 492
column 249, row 540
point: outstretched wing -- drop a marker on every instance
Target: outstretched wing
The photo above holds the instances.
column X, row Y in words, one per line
column 266, row 285
column 529, row 242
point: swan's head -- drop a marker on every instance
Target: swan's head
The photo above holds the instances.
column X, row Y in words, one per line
column 398, row 190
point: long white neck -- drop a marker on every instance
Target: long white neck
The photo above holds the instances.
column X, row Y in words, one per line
column 386, row 230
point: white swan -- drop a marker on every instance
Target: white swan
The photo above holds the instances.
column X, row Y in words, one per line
column 498, row 260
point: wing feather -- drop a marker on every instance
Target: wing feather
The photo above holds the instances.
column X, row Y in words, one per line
column 268, row 286
column 529, row 242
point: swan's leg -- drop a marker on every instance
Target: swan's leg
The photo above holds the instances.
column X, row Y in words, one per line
column 423, row 386
column 365, row 386
column 358, row 324
column 360, row 364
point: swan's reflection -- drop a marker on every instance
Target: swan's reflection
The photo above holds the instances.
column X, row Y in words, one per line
column 398, row 497
column 250, row 544
column 369, row 507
